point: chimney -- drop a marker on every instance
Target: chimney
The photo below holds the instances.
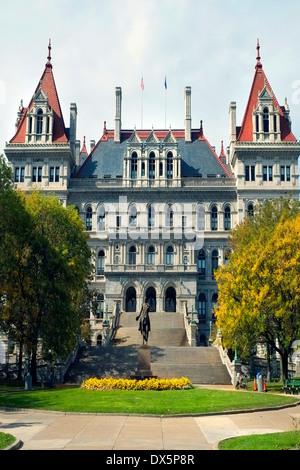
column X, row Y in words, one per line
column 73, row 125
column 232, row 121
column 188, row 116
column 118, row 94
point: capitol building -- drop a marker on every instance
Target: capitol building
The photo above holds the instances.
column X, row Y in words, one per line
column 158, row 204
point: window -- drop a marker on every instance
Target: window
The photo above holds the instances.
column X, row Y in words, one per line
column 267, row 173
column 250, row 173
column 34, row 173
column 152, row 165
column 160, row 169
column 250, row 210
column 170, row 165
column 101, row 218
column 170, row 255
column 201, row 307
column 39, row 174
column 22, row 175
column 151, row 255
column 134, row 165
column 169, row 217
column 57, row 174
column 143, row 168
column 214, row 218
column 227, row 218
column 133, row 216
column 100, row 306
column 17, row 174
column 88, row 219
column 266, row 119
column 132, row 255
column 39, row 122
column 51, row 174
column 201, row 263
column 100, row 263
column 214, row 261
column 151, row 216
column 285, row 173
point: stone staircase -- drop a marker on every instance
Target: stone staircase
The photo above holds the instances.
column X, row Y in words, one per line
column 171, row 355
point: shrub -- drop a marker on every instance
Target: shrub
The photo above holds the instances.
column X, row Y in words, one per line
column 134, row 384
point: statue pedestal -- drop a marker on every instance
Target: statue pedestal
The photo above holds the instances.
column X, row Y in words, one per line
column 144, row 361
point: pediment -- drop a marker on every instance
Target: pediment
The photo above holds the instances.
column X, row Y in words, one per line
column 265, row 94
column 170, row 138
column 152, row 138
column 134, row 138
column 40, row 96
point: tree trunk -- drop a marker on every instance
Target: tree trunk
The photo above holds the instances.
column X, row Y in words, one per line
column 33, row 368
column 20, row 360
column 284, row 358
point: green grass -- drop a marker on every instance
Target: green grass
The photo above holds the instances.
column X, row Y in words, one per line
column 193, row 401
column 6, row 440
column 275, row 441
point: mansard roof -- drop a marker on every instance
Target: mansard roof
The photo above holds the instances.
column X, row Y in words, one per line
column 48, row 87
column 260, row 81
column 198, row 157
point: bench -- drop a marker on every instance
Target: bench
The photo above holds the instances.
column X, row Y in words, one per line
column 292, row 386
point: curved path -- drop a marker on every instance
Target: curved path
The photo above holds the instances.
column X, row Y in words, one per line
column 42, row 430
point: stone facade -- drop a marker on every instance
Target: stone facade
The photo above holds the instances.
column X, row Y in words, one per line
column 158, row 204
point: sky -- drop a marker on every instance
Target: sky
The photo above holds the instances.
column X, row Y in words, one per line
column 98, row 45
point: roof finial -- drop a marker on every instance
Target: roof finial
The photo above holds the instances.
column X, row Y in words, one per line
column 258, row 63
column 49, row 54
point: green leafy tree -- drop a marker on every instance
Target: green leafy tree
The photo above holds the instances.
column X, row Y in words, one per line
column 258, row 298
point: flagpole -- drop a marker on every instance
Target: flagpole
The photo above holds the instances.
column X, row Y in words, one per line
column 142, row 104
column 165, row 103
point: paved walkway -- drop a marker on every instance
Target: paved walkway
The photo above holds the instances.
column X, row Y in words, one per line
column 41, row 430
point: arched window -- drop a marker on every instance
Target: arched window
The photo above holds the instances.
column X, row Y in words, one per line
column 214, row 218
column 39, row 122
column 214, row 261
column 250, row 210
column 152, row 165
column 227, row 218
column 100, row 263
column 201, row 307
column 134, row 165
column 132, row 216
column 151, row 255
column 170, row 165
column 266, row 119
column 132, row 255
column 100, row 306
column 200, row 217
column 169, row 217
column 101, row 218
column 170, row 255
column 151, row 216
column 88, row 218
column 201, row 262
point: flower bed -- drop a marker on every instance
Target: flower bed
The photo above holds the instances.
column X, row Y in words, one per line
column 133, row 384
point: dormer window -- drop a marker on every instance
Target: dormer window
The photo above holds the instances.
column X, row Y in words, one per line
column 39, row 122
column 266, row 120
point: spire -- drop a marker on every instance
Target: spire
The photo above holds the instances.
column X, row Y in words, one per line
column 258, row 62
column 48, row 64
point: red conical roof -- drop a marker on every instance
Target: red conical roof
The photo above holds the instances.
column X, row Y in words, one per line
column 259, row 82
column 47, row 84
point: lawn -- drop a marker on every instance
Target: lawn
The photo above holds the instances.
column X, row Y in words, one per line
column 276, row 441
column 6, row 440
column 169, row 402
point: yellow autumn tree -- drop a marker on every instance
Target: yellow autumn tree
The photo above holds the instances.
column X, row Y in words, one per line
column 259, row 289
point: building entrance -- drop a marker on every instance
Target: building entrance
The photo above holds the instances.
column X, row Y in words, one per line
column 151, row 298
column 130, row 300
column 170, row 300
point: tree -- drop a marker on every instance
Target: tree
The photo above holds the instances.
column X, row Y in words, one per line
column 44, row 272
column 60, row 267
column 259, row 290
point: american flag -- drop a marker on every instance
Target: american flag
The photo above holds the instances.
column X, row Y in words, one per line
column 142, row 84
